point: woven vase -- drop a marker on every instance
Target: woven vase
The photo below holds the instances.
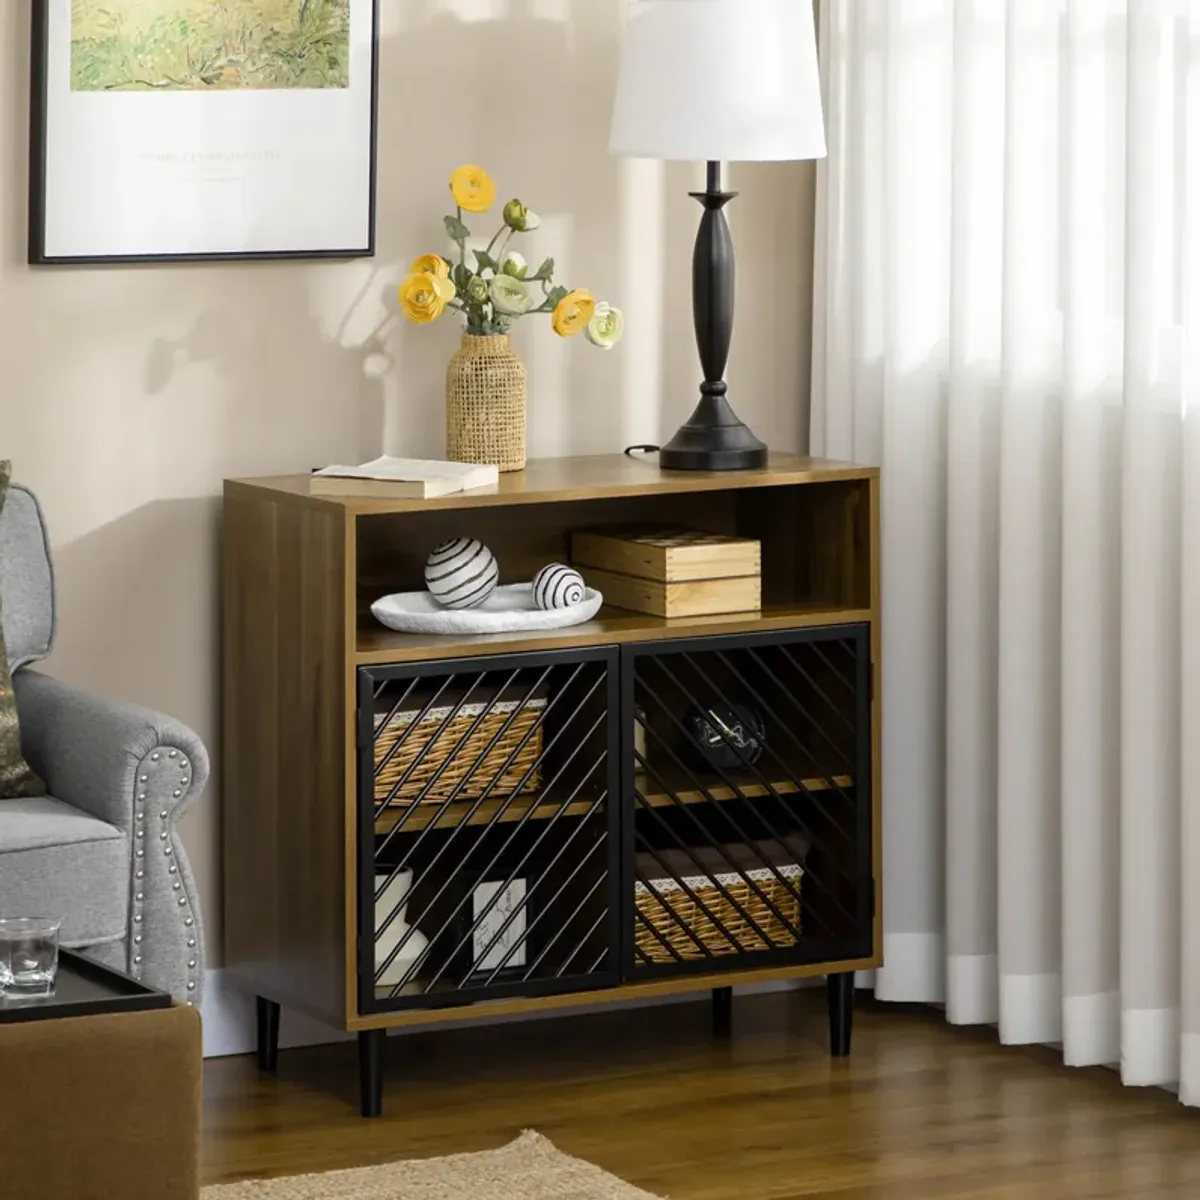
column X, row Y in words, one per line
column 485, row 403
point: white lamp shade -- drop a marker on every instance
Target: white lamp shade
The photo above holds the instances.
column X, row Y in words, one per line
column 719, row 80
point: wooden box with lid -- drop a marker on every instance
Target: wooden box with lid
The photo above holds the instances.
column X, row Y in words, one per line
column 671, row 571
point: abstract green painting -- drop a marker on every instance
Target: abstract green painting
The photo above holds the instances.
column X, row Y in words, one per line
column 201, row 45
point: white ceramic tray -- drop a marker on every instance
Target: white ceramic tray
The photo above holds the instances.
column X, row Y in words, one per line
column 509, row 609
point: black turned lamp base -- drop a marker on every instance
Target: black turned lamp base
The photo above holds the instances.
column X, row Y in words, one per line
column 713, row 439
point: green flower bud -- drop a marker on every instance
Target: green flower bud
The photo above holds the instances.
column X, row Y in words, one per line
column 477, row 290
column 520, row 218
column 515, row 265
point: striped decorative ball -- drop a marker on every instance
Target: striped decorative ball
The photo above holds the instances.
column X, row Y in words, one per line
column 461, row 573
column 557, row 586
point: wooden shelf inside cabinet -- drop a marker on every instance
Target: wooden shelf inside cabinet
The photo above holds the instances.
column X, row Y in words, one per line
column 467, row 812
column 652, row 792
column 306, row 669
column 376, row 644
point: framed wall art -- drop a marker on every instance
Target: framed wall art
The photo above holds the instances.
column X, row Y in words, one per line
column 172, row 130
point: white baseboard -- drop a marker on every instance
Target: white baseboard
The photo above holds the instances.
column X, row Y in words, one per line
column 229, row 1016
column 229, row 1022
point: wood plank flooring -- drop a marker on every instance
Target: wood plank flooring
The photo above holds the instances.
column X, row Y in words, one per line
column 920, row 1110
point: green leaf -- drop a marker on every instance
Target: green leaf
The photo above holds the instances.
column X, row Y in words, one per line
column 461, row 277
column 485, row 260
column 556, row 294
column 457, row 230
column 545, row 271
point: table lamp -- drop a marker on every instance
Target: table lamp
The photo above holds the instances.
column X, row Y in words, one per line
column 717, row 81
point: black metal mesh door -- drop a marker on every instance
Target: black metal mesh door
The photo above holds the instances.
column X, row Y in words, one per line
column 488, row 858
column 749, row 842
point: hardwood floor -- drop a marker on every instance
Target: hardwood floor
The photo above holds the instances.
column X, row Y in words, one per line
column 918, row 1110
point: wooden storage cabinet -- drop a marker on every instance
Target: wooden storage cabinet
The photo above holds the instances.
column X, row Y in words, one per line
column 425, row 829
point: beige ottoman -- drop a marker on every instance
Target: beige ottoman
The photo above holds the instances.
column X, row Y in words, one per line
column 101, row 1108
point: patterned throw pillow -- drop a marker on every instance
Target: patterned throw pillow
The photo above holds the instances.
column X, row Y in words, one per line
column 16, row 779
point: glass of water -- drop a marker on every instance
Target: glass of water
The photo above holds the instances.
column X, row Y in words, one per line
column 28, row 955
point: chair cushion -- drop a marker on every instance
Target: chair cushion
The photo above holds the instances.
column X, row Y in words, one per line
column 16, row 778
column 57, row 861
column 26, row 579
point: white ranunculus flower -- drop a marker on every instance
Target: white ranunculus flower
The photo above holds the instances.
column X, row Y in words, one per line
column 606, row 326
column 510, row 296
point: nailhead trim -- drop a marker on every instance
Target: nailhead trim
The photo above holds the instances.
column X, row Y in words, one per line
column 141, row 795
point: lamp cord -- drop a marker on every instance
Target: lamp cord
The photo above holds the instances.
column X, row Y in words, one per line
column 644, row 448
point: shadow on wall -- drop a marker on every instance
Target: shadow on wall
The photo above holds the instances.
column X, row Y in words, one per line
column 528, row 97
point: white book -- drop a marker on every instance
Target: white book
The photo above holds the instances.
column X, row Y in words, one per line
column 403, row 478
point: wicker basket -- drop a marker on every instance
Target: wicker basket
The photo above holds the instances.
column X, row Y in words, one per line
column 436, row 743
column 485, row 403
column 670, row 920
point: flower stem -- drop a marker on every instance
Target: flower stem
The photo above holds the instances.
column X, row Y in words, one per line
column 495, row 239
column 462, row 246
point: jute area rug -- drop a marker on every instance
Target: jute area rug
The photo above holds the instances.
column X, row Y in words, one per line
column 528, row 1169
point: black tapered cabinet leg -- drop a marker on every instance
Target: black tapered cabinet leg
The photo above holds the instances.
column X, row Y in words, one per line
column 267, row 1012
column 722, row 1011
column 371, row 1045
column 840, row 994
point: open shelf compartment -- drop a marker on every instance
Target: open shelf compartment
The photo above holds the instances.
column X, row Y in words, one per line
column 815, row 551
column 487, row 829
column 749, row 838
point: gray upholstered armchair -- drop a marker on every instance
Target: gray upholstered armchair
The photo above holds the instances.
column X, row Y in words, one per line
column 101, row 850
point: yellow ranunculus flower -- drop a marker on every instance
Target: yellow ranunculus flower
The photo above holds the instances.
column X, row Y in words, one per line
column 433, row 264
column 473, row 188
column 573, row 313
column 423, row 297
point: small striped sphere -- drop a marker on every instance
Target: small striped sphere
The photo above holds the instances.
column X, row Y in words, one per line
column 461, row 573
column 557, row 586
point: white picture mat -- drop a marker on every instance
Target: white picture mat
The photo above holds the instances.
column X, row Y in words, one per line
column 239, row 171
column 485, row 929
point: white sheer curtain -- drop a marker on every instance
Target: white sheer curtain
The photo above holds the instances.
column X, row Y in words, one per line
column 1008, row 323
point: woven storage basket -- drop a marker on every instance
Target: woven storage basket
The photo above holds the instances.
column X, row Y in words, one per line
column 436, row 742
column 485, row 403
column 658, row 899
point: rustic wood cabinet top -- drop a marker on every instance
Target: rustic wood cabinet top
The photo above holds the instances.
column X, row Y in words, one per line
column 585, row 478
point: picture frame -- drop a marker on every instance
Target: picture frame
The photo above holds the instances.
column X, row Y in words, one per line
column 156, row 140
column 478, row 960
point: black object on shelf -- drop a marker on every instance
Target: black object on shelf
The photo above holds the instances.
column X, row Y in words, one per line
column 713, row 438
column 726, row 736
column 83, row 989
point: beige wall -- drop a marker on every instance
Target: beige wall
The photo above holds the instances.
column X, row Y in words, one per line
column 130, row 393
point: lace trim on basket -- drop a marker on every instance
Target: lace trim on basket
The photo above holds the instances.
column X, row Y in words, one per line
column 728, row 879
column 403, row 719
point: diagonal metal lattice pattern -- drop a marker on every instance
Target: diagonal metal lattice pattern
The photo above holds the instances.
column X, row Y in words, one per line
column 486, row 841
column 750, row 833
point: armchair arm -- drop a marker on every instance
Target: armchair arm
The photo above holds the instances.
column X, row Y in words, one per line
column 139, row 771
column 92, row 751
